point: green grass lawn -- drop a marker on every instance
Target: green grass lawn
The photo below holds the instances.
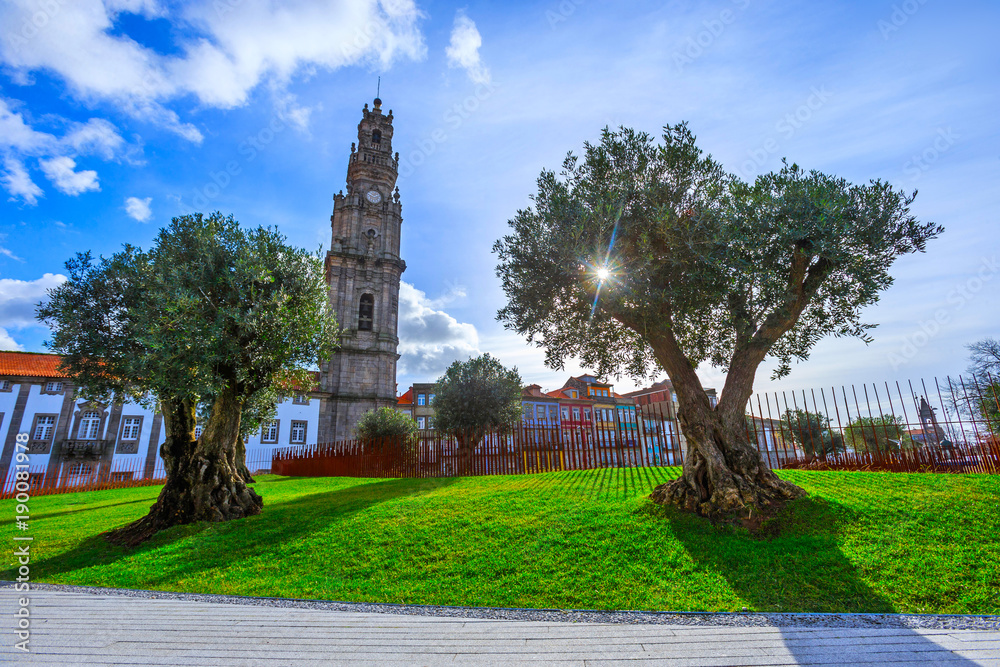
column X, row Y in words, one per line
column 861, row 542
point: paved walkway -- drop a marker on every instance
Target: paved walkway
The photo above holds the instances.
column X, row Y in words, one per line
column 80, row 628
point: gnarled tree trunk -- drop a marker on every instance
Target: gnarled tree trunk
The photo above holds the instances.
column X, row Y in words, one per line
column 723, row 473
column 239, row 461
column 204, row 480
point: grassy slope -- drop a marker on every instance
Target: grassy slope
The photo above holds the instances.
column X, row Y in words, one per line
column 860, row 542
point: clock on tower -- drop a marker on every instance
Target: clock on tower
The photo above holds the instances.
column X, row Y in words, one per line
column 363, row 268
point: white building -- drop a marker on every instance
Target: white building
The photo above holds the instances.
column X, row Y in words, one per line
column 72, row 439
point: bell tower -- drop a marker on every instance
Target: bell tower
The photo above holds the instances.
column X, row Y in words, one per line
column 363, row 268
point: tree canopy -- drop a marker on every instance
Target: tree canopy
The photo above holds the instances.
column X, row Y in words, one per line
column 812, row 432
column 642, row 256
column 882, row 434
column 977, row 395
column 727, row 267
column 385, row 422
column 476, row 396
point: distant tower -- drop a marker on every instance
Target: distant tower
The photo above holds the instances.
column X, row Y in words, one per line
column 363, row 268
column 933, row 433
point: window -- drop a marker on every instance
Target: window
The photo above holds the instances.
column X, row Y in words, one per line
column 573, row 393
column 4, row 385
column 54, row 386
column 301, row 399
column 366, row 312
column 565, row 414
column 298, row 433
column 526, row 412
column 80, row 469
column 586, row 414
column 130, row 428
column 376, row 137
column 90, row 422
column 576, row 414
column 421, row 399
column 553, row 413
column 44, row 427
column 540, row 412
column 421, row 422
column 430, row 399
column 198, row 430
column 430, row 422
column 269, row 431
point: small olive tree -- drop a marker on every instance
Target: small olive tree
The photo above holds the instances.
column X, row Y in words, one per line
column 882, row 434
column 386, row 425
column 474, row 397
column 812, row 432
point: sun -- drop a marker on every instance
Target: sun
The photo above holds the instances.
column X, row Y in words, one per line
column 603, row 273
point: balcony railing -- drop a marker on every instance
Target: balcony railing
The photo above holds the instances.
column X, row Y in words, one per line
column 83, row 449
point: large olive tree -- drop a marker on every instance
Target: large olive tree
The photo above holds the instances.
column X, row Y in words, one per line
column 213, row 314
column 644, row 256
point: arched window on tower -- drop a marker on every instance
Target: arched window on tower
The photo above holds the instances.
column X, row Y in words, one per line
column 366, row 312
column 377, row 137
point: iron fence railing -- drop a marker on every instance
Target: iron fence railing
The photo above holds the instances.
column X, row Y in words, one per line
column 938, row 426
column 949, row 426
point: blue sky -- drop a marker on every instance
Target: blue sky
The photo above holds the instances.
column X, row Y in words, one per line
column 117, row 115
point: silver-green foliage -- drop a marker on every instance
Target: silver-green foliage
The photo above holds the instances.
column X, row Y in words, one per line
column 477, row 395
column 385, row 422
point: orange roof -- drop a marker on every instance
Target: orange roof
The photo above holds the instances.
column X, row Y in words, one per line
column 33, row 364
column 407, row 398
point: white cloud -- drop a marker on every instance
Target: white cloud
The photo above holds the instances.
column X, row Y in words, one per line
column 138, row 209
column 60, row 170
column 147, row 8
column 429, row 338
column 7, row 252
column 96, row 136
column 16, row 134
column 18, row 299
column 8, row 343
column 463, row 51
column 18, row 183
column 19, row 140
column 233, row 47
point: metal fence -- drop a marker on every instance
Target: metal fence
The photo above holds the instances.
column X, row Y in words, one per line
column 949, row 426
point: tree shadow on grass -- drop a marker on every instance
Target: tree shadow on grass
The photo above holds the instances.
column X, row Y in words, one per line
column 67, row 512
column 216, row 545
column 795, row 565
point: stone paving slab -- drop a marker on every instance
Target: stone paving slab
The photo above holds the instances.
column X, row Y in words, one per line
column 94, row 628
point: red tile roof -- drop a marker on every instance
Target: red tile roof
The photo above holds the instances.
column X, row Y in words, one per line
column 407, row 398
column 31, row 364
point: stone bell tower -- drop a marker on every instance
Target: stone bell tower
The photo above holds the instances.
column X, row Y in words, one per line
column 363, row 268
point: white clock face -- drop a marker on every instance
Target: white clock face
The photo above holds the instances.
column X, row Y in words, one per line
column 373, row 196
